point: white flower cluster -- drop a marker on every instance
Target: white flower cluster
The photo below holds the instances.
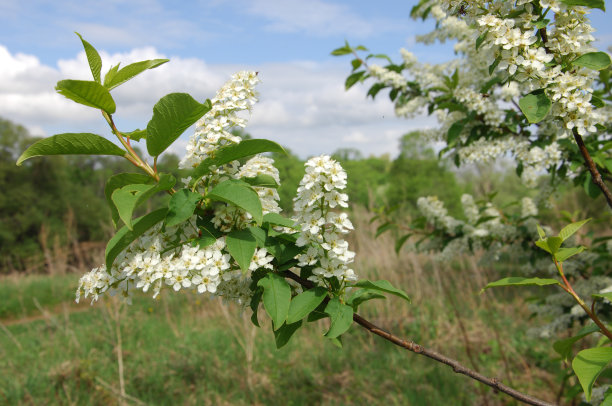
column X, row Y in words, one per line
column 318, row 193
column 213, row 130
column 482, row 224
column 154, row 261
column 387, row 76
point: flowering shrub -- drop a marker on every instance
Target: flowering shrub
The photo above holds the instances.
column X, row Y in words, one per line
column 526, row 84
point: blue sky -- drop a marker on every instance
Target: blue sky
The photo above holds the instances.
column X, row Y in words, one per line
column 303, row 103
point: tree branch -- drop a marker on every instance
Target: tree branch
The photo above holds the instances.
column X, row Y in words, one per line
column 419, row 349
column 595, row 175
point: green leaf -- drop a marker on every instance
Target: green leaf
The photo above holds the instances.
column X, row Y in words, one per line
column 520, row 281
column 588, row 364
column 276, row 298
column 564, row 253
column 88, row 93
column 607, row 295
column 356, row 63
column 554, row 243
column 137, row 134
column 110, row 74
column 341, row 316
column 118, row 181
column 278, row 220
column 239, row 194
column 570, row 229
column 535, row 106
column 400, row 242
column 541, row 232
column 284, row 334
column 125, row 236
column 360, row 296
column 262, row 181
column 172, row 115
column 233, row 152
column 241, row 246
column 181, row 206
column 342, row 51
column 481, row 38
column 382, row 286
column 593, row 60
column 304, row 303
column 564, row 347
column 129, row 197
column 283, row 251
column 600, row 4
column 71, row 144
column 494, row 65
column 93, row 58
column 455, row 131
column 383, row 228
column 259, row 234
column 255, row 300
column 544, row 245
column 597, row 102
column 128, row 72
column 541, row 23
column 352, row 79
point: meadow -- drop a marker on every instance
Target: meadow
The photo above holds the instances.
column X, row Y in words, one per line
column 181, row 349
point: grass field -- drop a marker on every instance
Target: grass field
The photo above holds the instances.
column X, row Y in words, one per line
column 186, row 350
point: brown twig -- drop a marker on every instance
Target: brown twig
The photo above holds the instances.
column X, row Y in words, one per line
column 595, row 175
column 419, row 349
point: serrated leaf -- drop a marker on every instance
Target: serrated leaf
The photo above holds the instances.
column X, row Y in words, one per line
column 360, row 296
column 304, row 303
column 382, row 286
column 88, row 93
column 129, row 197
column 553, row 244
column 570, row 229
column 261, row 181
column 172, row 115
column 233, row 152
column 535, row 106
column 118, row 181
column 130, row 71
column 593, row 60
column 278, row 220
column 564, row 347
column 71, row 144
column 564, row 253
column 125, row 236
column 352, row 79
column 239, row 194
column 341, row 317
column 93, row 58
column 587, row 366
column 520, row 281
column 400, row 242
column 181, row 206
column 137, row 134
column 284, row 334
column 241, row 245
column 342, row 51
column 600, row 4
column 276, row 298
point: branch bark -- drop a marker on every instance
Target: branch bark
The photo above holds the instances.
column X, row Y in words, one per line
column 595, row 175
column 419, row 349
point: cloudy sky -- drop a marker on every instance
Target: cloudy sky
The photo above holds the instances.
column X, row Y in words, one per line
column 303, row 104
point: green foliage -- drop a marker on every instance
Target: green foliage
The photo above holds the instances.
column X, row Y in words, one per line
column 118, row 181
column 520, row 281
column 125, row 236
column 276, row 298
column 304, row 303
column 341, row 317
column 564, row 347
column 93, row 58
column 600, row 4
column 114, row 78
column 593, row 60
column 241, row 245
column 588, row 364
column 71, row 144
column 172, row 115
column 88, row 93
column 181, row 206
column 535, row 106
column 382, row 286
column 239, row 194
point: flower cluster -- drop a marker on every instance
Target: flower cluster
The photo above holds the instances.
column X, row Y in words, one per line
column 318, row 193
column 213, row 130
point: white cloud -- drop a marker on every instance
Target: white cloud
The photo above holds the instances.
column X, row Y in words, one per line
column 303, row 105
column 314, row 17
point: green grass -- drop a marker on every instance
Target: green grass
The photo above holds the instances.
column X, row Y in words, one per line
column 183, row 351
